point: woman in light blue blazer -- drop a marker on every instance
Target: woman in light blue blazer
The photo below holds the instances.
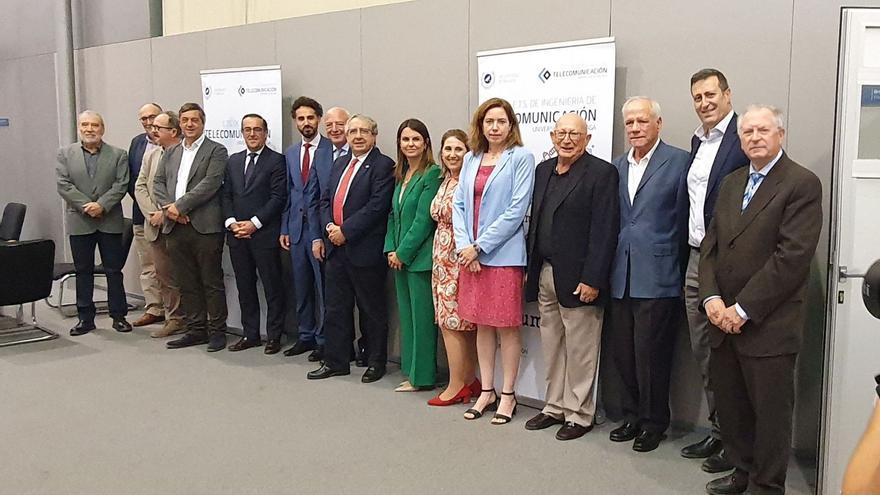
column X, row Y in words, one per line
column 490, row 203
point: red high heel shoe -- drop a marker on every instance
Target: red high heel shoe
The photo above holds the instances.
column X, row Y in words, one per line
column 463, row 395
column 476, row 387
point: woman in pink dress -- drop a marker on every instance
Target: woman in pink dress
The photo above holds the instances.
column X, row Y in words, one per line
column 459, row 337
column 489, row 206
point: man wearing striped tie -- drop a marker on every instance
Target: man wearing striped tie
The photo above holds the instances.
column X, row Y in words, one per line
column 754, row 265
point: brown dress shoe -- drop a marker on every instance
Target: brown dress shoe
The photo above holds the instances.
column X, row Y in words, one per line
column 147, row 319
column 170, row 328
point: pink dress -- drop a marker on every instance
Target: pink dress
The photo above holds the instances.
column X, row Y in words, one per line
column 492, row 296
column 444, row 276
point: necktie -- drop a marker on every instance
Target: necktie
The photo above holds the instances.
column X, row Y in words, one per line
column 307, row 163
column 339, row 199
column 336, row 152
column 754, row 181
column 249, row 168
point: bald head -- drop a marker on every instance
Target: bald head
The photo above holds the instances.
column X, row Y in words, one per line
column 147, row 113
column 570, row 138
column 334, row 125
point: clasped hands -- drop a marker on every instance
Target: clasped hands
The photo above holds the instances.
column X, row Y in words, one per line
column 725, row 318
column 172, row 212
column 467, row 257
column 243, row 230
column 93, row 209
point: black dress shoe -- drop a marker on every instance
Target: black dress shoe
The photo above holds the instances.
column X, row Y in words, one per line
column 647, row 441
column 244, row 343
column 624, row 433
column 702, row 449
column 326, row 372
column 716, row 464
column 735, row 482
column 188, row 340
column 216, row 342
column 361, row 361
column 299, row 347
column 82, row 328
column 121, row 326
column 373, row 373
column 570, row 431
column 273, row 346
column 317, row 355
column 541, row 421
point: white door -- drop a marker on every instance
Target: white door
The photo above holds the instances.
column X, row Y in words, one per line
column 853, row 335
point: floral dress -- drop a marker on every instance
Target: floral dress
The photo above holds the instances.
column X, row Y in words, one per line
column 444, row 277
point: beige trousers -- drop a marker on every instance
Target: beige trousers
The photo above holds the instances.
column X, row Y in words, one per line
column 168, row 290
column 149, row 283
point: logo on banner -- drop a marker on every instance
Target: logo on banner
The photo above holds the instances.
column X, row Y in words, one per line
column 573, row 72
column 487, row 80
column 207, row 92
column 544, row 75
column 241, row 91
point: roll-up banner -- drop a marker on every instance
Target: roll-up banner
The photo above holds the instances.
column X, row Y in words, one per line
column 227, row 96
column 543, row 82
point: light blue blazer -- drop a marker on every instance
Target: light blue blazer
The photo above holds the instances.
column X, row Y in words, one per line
column 504, row 205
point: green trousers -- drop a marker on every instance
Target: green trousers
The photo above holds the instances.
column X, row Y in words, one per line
column 418, row 332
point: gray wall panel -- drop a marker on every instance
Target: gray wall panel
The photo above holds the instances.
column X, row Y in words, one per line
column 243, row 46
column 101, row 22
column 176, row 62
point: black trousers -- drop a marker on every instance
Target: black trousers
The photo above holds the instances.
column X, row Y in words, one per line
column 249, row 260
column 82, row 247
column 196, row 266
column 641, row 342
column 755, row 400
column 347, row 286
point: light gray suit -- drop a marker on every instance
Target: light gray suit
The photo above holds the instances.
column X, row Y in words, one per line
column 107, row 187
column 143, row 190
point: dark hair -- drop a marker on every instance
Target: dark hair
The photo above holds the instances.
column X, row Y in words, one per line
column 451, row 133
column 478, row 141
column 255, row 116
column 427, row 158
column 703, row 74
column 189, row 107
column 305, row 101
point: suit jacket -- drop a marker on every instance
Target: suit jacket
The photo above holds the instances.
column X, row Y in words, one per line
column 760, row 257
column 648, row 256
column 503, row 207
column 202, row 199
column 264, row 196
column 143, row 190
column 297, row 219
column 585, row 227
column 135, row 157
column 410, row 226
column 365, row 212
column 107, row 188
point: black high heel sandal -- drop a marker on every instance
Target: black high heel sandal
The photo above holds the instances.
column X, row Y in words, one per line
column 491, row 406
column 501, row 419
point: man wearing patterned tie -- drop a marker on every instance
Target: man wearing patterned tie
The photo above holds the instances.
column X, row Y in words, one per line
column 754, row 265
column 354, row 210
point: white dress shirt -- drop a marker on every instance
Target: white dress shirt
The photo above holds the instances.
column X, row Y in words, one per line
column 357, row 168
column 313, row 146
column 186, row 162
column 637, row 169
column 337, row 152
column 698, row 177
column 256, row 221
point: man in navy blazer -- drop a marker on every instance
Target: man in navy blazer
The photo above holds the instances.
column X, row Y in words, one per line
column 253, row 194
column 354, row 214
column 646, row 276
column 715, row 152
column 309, row 160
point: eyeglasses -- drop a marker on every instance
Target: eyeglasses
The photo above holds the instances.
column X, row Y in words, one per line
column 354, row 131
column 573, row 135
column 253, row 130
column 148, row 118
column 155, row 127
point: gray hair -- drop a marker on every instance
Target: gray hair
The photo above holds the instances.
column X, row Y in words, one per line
column 374, row 127
column 655, row 107
column 338, row 109
column 89, row 113
column 778, row 116
column 173, row 120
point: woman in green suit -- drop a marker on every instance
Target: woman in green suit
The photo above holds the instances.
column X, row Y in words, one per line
column 408, row 246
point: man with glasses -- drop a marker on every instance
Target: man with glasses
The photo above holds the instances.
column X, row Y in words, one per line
column 140, row 146
column 254, row 193
column 572, row 236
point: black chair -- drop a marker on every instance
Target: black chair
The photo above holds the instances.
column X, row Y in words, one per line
column 26, row 272
column 65, row 271
column 12, row 221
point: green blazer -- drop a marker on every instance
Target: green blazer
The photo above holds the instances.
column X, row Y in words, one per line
column 410, row 227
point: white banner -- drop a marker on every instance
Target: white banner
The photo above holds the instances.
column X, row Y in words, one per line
column 542, row 83
column 228, row 95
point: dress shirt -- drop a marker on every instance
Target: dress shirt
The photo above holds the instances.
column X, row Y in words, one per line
column 357, row 168
column 254, row 219
column 187, row 157
column 337, row 152
column 313, row 145
column 637, row 170
column 91, row 159
column 698, row 177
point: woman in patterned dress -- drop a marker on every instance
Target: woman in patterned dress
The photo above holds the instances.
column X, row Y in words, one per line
column 459, row 337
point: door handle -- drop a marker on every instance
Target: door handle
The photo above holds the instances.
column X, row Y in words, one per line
column 870, row 286
column 843, row 274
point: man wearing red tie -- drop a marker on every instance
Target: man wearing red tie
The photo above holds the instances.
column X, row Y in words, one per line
column 354, row 210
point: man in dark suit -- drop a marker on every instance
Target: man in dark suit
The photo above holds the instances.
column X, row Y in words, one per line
column 310, row 157
column 253, row 194
column 715, row 152
column 571, row 242
column 755, row 261
column 646, row 277
column 154, row 311
column 187, row 186
column 92, row 177
column 354, row 212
